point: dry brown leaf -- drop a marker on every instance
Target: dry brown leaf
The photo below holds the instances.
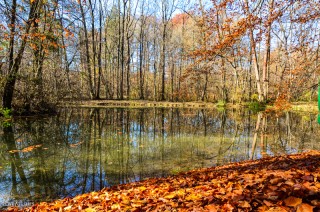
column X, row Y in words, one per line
column 90, row 210
column 305, row 208
column 58, row 205
column 315, row 203
column 170, row 196
column 244, row 204
column 293, row 201
column 276, row 209
column 267, row 203
column 68, row 208
column 262, row 208
column 193, row 197
column 211, row 208
column 308, row 178
column 142, row 188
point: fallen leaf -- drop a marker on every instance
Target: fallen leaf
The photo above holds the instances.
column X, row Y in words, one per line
column 211, row 208
column 193, row 197
column 293, row 201
column 67, row 208
column 90, row 210
column 244, row 204
column 115, row 206
column 315, row 202
column 181, row 193
column 142, row 188
column 76, row 144
column 58, row 205
column 308, row 178
column 276, row 209
column 170, row 196
column 305, row 208
column 267, row 203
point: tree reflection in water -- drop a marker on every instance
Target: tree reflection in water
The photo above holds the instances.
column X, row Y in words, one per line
column 82, row 150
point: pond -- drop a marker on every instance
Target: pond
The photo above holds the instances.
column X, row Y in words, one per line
column 82, row 150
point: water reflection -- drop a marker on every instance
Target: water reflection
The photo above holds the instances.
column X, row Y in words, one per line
column 81, row 150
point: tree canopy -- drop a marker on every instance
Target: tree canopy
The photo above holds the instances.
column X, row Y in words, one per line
column 218, row 50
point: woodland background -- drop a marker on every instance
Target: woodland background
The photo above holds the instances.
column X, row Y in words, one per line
column 218, row 50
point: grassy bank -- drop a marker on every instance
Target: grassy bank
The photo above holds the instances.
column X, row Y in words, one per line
column 138, row 104
column 283, row 183
column 296, row 106
column 305, row 106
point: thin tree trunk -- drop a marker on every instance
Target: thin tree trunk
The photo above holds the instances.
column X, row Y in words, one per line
column 141, row 52
column 94, row 50
column 14, row 63
column 163, row 62
column 99, row 53
column 87, row 56
column 254, row 54
column 267, row 56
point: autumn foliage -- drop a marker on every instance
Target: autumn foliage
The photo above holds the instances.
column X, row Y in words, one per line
column 284, row 183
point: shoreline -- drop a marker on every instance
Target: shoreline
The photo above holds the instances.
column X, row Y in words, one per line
column 295, row 106
column 281, row 183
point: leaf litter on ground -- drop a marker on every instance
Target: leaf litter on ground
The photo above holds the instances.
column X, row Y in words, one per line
column 282, row 183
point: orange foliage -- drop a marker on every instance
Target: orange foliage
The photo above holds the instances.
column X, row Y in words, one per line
column 281, row 104
column 179, row 19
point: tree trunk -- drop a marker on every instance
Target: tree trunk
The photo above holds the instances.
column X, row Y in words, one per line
column 163, row 62
column 94, row 51
column 99, row 53
column 267, row 56
column 141, row 52
column 254, row 54
column 14, row 63
column 87, row 56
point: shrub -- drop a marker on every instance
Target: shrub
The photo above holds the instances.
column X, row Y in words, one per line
column 221, row 103
column 256, row 106
column 5, row 112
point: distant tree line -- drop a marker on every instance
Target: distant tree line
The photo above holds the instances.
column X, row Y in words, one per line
column 232, row 51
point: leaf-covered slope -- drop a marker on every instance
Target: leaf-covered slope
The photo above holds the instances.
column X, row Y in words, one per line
column 286, row 183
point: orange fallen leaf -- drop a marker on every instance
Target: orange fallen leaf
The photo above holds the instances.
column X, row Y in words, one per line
column 315, row 203
column 58, row 205
column 268, row 203
column 170, row 196
column 305, row 208
column 293, row 201
column 211, row 208
column 90, row 210
column 142, row 188
column 193, row 197
column 244, row 204
column 277, row 209
column 263, row 208
column 76, row 144
column 68, row 208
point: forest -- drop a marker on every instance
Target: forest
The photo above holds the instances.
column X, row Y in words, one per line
column 160, row 50
column 159, row 105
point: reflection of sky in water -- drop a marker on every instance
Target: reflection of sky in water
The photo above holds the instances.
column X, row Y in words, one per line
column 72, row 131
column 80, row 154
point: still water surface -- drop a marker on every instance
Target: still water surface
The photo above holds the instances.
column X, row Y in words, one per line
column 82, row 150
